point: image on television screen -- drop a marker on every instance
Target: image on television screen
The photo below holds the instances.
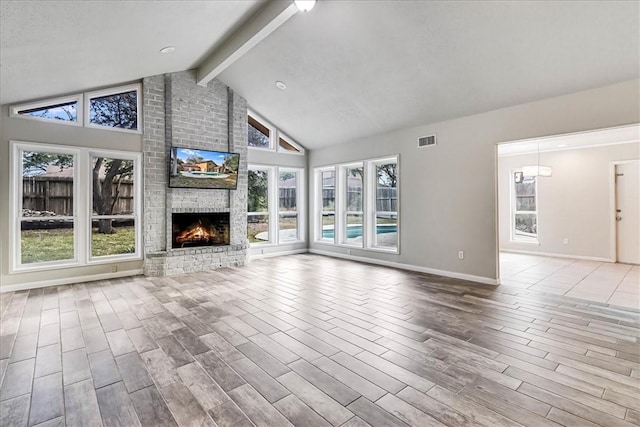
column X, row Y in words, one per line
column 195, row 168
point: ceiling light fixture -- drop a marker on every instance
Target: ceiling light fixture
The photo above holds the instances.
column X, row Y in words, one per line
column 563, row 145
column 538, row 169
column 281, row 85
column 167, row 49
column 304, row 5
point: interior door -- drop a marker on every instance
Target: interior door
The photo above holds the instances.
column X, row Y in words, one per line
column 628, row 212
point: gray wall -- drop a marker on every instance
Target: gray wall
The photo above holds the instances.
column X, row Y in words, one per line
column 17, row 129
column 448, row 192
column 573, row 203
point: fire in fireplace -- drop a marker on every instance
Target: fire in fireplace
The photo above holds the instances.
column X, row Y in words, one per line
column 200, row 229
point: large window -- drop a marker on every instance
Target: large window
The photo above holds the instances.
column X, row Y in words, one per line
column 258, row 206
column 386, row 204
column 274, row 207
column 524, row 208
column 73, row 206
column 328, row 204
column 113, row 217
column 365, row 194
column 116, row 108
column 353, row 213
column 288, row 217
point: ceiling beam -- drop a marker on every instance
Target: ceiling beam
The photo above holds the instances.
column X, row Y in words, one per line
column 273, row 14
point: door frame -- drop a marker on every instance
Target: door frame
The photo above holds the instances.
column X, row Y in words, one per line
column 613, row 230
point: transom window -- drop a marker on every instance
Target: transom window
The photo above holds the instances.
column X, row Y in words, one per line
column 116, row 108
column 62, row 110
column 264, row 136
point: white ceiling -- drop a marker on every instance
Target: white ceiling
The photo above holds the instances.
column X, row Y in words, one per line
column 352, row 68
column 50, row 48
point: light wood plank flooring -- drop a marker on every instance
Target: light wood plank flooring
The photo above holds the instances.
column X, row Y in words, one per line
column 313, row 341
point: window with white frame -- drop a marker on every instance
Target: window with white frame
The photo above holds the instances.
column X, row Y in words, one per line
column 524, row 208
column 264, row 136
column 73, row 206
column 117, row 108
column 367, row 203
column 275, row 212
column 114, row 108
column 386, row 203
column 65, row 110
column 288, row 215
column 258, row 224
column 326, row 228
column 353, row 212
column 259, row 135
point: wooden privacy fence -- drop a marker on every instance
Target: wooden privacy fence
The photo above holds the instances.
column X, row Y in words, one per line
column 386, row 198
column 55, row 194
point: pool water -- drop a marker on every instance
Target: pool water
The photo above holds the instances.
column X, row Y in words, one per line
column 356, row 231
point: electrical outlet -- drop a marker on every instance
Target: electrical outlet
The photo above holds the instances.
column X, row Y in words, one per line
column 460, row 254
column 565, row 241
column 114, row 269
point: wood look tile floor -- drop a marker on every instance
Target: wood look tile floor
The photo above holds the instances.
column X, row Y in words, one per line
column 307, row 340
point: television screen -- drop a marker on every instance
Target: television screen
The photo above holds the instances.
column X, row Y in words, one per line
column 195, row 168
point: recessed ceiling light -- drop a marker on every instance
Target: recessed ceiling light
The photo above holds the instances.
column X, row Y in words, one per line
column 167, row 49
column 563, row 145
column 304, row 5
column 281, row 85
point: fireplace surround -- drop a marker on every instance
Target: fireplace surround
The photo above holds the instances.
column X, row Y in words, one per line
column 179, row 112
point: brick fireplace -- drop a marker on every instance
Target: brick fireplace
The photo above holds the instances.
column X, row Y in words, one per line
column 179, row 112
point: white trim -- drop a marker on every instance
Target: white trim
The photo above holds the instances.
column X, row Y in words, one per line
column 632, row 128
column 276, row 254
column 137, row 87
column 556, row 255
column 13, row 110
column 410, row 267
column 69, row 280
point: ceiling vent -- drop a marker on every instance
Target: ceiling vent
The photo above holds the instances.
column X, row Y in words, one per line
column 427, row 141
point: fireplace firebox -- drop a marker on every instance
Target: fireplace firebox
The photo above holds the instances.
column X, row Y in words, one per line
column 200, row 229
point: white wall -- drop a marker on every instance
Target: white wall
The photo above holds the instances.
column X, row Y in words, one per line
column 573, row 203
column 448, row 192
column 18, row 129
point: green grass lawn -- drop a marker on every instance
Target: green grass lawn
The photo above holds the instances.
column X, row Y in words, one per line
column 57, row 244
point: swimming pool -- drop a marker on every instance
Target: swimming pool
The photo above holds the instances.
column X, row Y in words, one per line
column 354, row 231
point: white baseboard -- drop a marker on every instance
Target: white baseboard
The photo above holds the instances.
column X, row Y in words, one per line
column 69, row 280
column 275, row 254
column 410, row 267
column 554, row 255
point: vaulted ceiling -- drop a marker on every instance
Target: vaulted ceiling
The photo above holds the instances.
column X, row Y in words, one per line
column 352, row 68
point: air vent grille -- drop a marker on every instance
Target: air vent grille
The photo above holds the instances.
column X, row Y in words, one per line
column 427, row 141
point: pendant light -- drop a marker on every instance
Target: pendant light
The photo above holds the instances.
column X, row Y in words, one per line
column 537, row 169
